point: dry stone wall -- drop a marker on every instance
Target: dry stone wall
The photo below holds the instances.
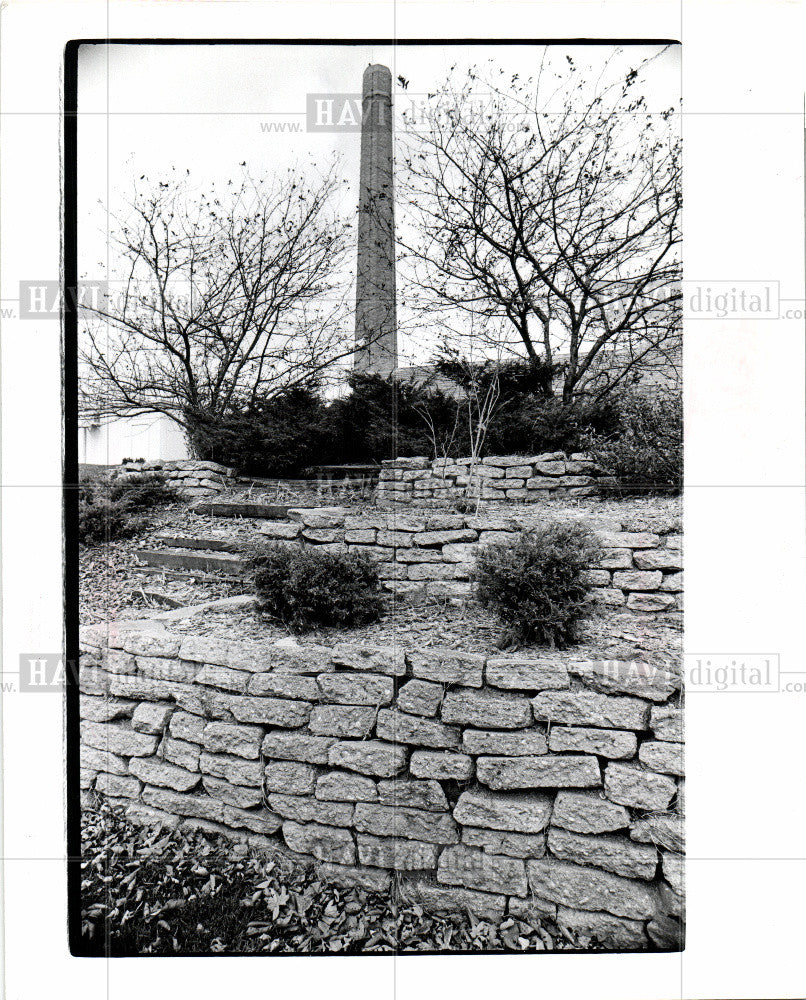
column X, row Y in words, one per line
column 501, row 784
column 189, row 477
column 527, row 479
column 425, row 556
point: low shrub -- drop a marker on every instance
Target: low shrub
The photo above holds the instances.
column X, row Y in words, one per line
column 101, row 519
column 304, row 588
column 141, row 491
column 645, row 452
column 534, row 586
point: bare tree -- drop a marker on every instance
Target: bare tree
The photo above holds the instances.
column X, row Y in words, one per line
column 556, row 212
column 219, row 300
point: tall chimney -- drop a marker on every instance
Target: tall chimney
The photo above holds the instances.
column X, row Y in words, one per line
column 375, row 314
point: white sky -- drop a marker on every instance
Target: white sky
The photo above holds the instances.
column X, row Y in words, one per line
column 144, row 109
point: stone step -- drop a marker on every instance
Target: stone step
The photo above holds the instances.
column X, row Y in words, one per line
column 188, row 560
column 183, row 574
column 188, row 542
column 227, row 508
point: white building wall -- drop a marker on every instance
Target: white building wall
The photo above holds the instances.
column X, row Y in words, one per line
column 151, row 436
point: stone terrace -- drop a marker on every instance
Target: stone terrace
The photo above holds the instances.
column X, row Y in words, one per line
column 520, row 784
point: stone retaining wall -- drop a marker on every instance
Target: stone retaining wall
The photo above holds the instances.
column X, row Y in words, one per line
column 432, row 556
column 503, row 784
column 429, row 482
column 190, row 477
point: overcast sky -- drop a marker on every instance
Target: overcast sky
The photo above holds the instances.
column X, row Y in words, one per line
column 144, row 109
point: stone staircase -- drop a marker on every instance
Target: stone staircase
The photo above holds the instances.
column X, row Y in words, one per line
column 180, row 555
column 243, row 508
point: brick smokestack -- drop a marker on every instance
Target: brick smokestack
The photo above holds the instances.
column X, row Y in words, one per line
column 375, row 314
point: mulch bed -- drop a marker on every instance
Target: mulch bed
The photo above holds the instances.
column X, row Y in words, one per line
column 469, row 627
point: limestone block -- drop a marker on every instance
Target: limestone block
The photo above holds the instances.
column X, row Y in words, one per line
column 632, row 785
column 225, row 737
column 587, row 708
column 411, row 824
column 453, row 536
column 493, row 709
column 281, row 712
column 355, row 877
column 117, row 785
column 396, row 853
column 667, row 830
column 617, row 559
column 666, row 723
column 372, row 659
column 513, row 811
column 101, row 760
column 293, row 686
column 257, row 820
column 372, row 757
column 614, row 854
column 476, row 869
column 397, row 727
column 426, row 795
column 188, row 727
column 342, row 720
column 290, row 777
column 588, row 812
column 341, row 786
column 514, row 845
column 565, row 771
column 183, row 804
column 117, row 738
column 642, row 580
column 522, row 743
column 420, row 698
column 613, row 743
column 447, row 666
column 235, row 770
column 629, row 540
column 181, row 753
column 651, row 602
column 158, row 772
column 99, row 709
column 659, row 559
column 291, row 657
column 240, row 796
column 223, row 677
column 327, row 843
column 590, row 889
column 305, row 809
column 662, row 756
column 441, row 765
column 298, row 746
column 526, row 673
column 653, row 681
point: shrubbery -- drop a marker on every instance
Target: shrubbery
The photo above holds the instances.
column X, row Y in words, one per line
column 108, row 511
column 276, row 438
column 645, row 450
column 380, row 418
column 535, row 586
column 304, row 587
column 141, row 491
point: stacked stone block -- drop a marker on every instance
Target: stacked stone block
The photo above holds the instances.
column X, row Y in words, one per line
column 190, row 478
column 431, row 556
column 526, row 478
column 534, row 786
